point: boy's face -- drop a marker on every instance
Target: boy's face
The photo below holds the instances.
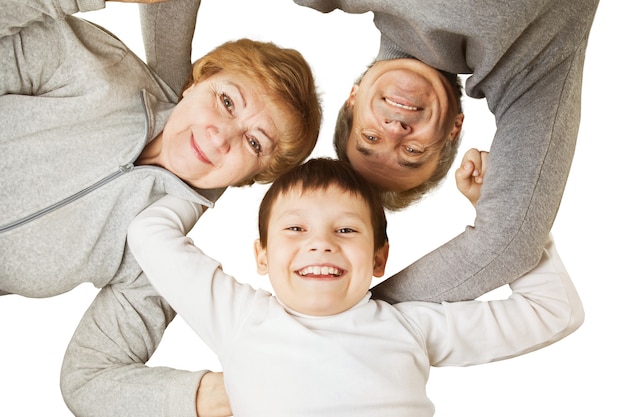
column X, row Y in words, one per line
column 320, row 251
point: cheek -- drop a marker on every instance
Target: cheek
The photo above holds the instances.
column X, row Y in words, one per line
column 241, row 161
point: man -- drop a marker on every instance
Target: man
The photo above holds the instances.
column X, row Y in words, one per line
column 526, row 58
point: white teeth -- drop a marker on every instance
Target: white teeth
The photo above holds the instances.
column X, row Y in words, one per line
column 402, row 106
column 319, row 270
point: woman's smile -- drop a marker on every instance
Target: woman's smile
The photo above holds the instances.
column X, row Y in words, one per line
column 198, row 152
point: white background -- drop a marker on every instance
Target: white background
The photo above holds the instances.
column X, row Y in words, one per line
column 579, row 376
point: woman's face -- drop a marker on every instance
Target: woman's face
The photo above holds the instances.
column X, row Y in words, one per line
column 222, row 132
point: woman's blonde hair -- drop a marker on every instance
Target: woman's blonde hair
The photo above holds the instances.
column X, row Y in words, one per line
column 288, row 80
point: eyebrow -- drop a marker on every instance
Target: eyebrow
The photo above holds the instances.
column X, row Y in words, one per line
column 402, row 162
column 243, row 98
column 240, row 92
column 267, row 136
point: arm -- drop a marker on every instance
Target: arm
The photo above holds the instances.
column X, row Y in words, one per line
column 104, row 372
column 26, row 63
column 543, row 308
column 529, row 163
column 167, row 30
column 193, row 283
column 18, row 14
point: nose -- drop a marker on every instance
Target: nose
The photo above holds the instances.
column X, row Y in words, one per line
column 322, row 242
column 221, row 137
column 396, row 127
column 221, row 142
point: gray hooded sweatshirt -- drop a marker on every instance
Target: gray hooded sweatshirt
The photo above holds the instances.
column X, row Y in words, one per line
column 526, row 58
column 77, row 108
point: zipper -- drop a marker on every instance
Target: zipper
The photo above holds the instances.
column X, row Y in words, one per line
column 121, row 171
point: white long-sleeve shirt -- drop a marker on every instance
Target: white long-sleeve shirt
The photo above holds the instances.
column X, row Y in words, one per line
column 370, row 360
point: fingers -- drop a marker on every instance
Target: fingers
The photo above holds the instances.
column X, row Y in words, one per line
column 469, row 176
column 473, row 166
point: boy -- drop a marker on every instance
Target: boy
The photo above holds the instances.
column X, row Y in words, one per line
column 321, row 346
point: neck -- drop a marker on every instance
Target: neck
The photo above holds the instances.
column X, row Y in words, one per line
column 151, row 152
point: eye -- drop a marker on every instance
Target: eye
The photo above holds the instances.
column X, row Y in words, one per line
column 414, row 150
column 227, row 102
column 255, row 145
column 343, row 230
column 370, row 138
column 295, row 228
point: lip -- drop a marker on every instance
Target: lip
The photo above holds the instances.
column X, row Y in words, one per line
column 402, row 104
column 198, row 152
column 324, row 272
column 394, row 108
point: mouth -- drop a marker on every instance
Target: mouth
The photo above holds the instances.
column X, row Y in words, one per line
column 405, row 106
column 321, row 272
column 198, row 152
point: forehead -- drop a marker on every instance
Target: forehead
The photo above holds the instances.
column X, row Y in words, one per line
column 328, row 200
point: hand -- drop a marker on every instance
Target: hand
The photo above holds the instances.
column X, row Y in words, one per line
column 469, row 177
column 212, row 400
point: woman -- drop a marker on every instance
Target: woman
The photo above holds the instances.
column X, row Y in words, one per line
column 91, row 137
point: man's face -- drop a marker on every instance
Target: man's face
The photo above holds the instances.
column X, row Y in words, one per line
column 403, row 111
column 320, row 253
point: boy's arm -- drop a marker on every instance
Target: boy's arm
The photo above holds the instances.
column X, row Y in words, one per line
column 543, row 309
column 192, row 283
column 177, row 269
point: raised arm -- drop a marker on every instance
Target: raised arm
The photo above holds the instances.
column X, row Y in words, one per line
column 26, row 64
column 208, row 299
column 19, row 14
column 543, row 308
column 529, row 162
column 168, row 30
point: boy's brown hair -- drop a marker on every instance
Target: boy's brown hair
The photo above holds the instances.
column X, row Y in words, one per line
column 320, row 174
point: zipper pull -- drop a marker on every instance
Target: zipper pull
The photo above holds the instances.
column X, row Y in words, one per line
column 126, row 168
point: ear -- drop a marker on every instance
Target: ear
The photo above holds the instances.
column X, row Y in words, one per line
column 260, row 253
column 380, row 260
column 352, row 96
column 458, row 125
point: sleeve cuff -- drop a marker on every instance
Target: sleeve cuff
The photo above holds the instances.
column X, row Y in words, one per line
column 182, row 389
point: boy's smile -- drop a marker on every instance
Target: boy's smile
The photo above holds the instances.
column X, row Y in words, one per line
column 320, row 250
column 321, row 272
